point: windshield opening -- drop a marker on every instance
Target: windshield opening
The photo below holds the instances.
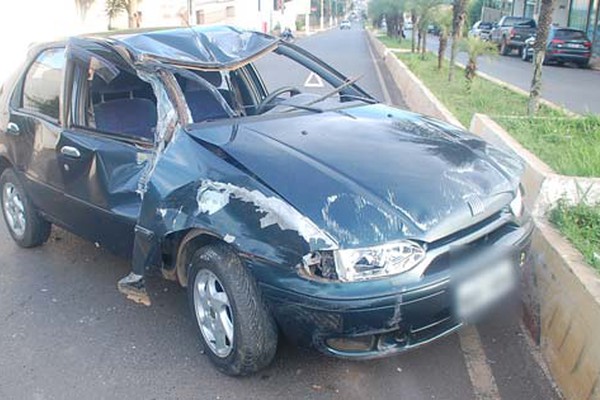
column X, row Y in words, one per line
column 283, row 80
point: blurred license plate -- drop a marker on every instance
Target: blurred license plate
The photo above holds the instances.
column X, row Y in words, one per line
column 574, row 45
column 484, row 289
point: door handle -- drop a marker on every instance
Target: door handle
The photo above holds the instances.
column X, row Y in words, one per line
column 13, row 129
column 70, row 151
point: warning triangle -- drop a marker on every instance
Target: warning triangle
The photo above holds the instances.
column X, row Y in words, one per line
column 313, row 80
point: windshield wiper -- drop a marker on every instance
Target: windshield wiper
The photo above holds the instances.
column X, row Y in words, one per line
column 361, row 98
column 334, row 91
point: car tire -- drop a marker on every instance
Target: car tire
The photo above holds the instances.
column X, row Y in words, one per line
column 520, row 51
column 223, row 295
column 504, row 49
column 584, row 65
column 27, row 228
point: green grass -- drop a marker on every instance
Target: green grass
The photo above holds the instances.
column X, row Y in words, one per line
column 394, row 43
column 484, row 97
column 581, row 225
column 570, row 146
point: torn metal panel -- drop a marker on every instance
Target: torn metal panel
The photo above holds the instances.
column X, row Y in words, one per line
column 209, row 47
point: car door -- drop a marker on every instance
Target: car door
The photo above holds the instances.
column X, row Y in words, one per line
column 102, row 164
column 34, row 129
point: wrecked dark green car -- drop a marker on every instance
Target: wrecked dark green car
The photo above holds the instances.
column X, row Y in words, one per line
column 309, row 211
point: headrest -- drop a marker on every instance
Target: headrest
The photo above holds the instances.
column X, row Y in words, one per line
column 124, row 82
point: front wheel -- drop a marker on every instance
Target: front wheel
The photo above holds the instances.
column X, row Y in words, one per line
column 236, row 329
column 25, row 225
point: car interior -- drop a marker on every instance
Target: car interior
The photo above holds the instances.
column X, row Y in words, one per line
column 126, row 105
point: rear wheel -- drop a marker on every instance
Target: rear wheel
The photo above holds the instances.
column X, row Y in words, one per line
column 236, row 329
column 25, row 225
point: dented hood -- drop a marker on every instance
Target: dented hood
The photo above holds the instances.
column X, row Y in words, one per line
column 374, row 174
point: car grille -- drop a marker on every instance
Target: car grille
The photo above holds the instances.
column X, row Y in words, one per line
column 468, row 242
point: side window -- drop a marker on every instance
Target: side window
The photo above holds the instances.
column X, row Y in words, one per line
column 124, row 105
column 42, row 87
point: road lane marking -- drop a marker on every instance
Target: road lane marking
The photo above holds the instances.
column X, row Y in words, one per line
column 480, row 373
column 386, row 94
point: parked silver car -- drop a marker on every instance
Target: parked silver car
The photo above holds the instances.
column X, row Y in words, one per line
column 481, row 30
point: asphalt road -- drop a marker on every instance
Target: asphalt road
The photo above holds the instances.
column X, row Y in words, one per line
column 66, row 333
column 576, row 89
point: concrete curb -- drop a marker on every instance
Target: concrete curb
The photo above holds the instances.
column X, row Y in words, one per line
column 561, row 292
column 543, row 186
column 416, row 95
column 525, row 93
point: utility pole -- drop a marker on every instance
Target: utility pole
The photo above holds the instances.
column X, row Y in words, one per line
column 330, row 13
column 190, row 11
column 322, row 23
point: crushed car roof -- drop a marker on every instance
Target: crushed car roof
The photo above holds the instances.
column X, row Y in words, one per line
column 208, row 46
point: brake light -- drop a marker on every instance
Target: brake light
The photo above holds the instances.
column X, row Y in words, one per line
column 512, row 32
column 588, row 44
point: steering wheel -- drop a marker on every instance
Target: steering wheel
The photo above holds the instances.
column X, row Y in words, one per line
column 273, row 95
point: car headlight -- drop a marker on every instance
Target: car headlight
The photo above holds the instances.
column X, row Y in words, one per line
column 516, row 205
column 351, row 265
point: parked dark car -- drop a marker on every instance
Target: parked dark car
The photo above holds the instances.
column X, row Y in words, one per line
column 481, row 29
column 510, row 33
column 564, row 45
column 433, row 29
column 351, row 226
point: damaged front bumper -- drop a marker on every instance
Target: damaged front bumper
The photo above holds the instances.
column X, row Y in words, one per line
column 382, row 317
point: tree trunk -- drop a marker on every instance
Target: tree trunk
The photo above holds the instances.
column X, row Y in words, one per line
column 419, row 38
column 131, row 11
column 470, row 69
column 539, row 53
column 458, row 20
column 424, row 48
column 442, row 50
column 413, row 18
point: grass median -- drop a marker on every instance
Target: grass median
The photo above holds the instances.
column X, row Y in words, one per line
column 581, row 225
column 571, row 146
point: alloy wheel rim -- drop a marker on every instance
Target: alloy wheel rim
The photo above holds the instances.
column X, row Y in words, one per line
column 213, row 313
column 14, row 209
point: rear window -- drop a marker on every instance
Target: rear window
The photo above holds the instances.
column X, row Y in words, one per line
column 569, row 34
column 519, row 22
column 41, row 90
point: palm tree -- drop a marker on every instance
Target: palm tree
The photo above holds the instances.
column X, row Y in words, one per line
column 458, row 21
column 475, row 48
column 425, row 10
column 443, row 19
column 539, row 52
column 82, row 7
column 113, row 9
column 392, row 11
